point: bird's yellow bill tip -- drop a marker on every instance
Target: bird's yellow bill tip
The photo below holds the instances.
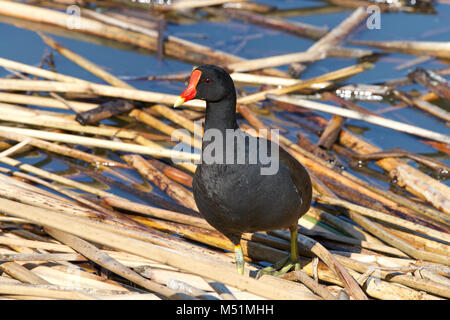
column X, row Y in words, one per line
column 178, row 102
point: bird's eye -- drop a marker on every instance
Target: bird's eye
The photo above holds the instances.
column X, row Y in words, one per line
column 208, row 80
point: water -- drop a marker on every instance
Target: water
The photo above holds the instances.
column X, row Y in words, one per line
column 251, row 41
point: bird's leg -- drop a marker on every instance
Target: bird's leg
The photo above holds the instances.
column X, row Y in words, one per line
column 239, row 256
column 291, row 261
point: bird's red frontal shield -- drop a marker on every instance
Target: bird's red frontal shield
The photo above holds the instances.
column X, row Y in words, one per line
column 191, row 90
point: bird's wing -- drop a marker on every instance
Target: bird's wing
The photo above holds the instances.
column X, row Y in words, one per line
column 300, row 177
column 298, row 173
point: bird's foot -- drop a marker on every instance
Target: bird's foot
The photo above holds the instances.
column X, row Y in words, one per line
column 280, row 268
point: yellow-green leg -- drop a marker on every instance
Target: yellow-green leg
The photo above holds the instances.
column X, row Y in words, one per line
column 291, row 261
column 239, row 256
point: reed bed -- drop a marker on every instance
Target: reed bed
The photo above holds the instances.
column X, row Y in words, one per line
column 122, row 222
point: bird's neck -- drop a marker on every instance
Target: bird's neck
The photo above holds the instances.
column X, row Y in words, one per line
column 221, row 114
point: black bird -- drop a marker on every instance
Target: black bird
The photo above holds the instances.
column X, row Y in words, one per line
column 236, row 197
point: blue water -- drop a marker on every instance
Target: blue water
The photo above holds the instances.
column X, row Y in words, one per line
column 26, row 46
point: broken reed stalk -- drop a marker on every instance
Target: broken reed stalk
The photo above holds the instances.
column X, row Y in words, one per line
column 170, row 114
column 323, row 168
column 15, row 149
column 148, row 236
column 63, row 274
column 106, row 144
column 360, row 146
column 98, row 210
column 65, row 151
column 257, row 79
column 84, row 63
column 247, row 78
column 331, row 132
column 221, row 290
column 52, row 94
column 165, row 128
column 39, row 118
column 92, row 211
column 291, row 27
column 350, row 284
column 402, row 245
column 384, row 217
column 173, row 189
column 100, row 89
column 341, row 225
column 261, row 63
column 178, row 119
column 12, row 190
column 432, row 81
column 333, row 75
column 397, row 276
column 196, row 264
column 39, row 72
column 340, row 32
column 398, row 152
column 127, row 226
column 193, row 4
column 349, row 104
column 315, row 52
column 173, row 173
column 42, row 257
column 45, row 101
column 191, row 167
column 91, row 67
column 133, row 16
column 82, row 106
column 375, row 247
column 94, row 254
column 35, row 244
column 380, row 289
column 19, row 272
column 131, row 189
column 173, row 47
column 420, row 48
column 422, row 185
column 418, row 241
column 42, row 290
column 48, row 175
column 122, row 21
column 313, row 285
column 104, row 111
column 364, row 117
column 387, row 198
column 431, row 108
column 397, row 242
column 250, row 6
column 61, row 277
column 157, row 213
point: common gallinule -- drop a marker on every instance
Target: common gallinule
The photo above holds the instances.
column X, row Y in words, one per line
column 236, row 197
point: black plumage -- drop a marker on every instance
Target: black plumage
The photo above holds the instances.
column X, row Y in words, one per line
column 236, row 198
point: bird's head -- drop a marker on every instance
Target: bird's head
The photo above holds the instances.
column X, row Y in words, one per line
column 209, row 83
